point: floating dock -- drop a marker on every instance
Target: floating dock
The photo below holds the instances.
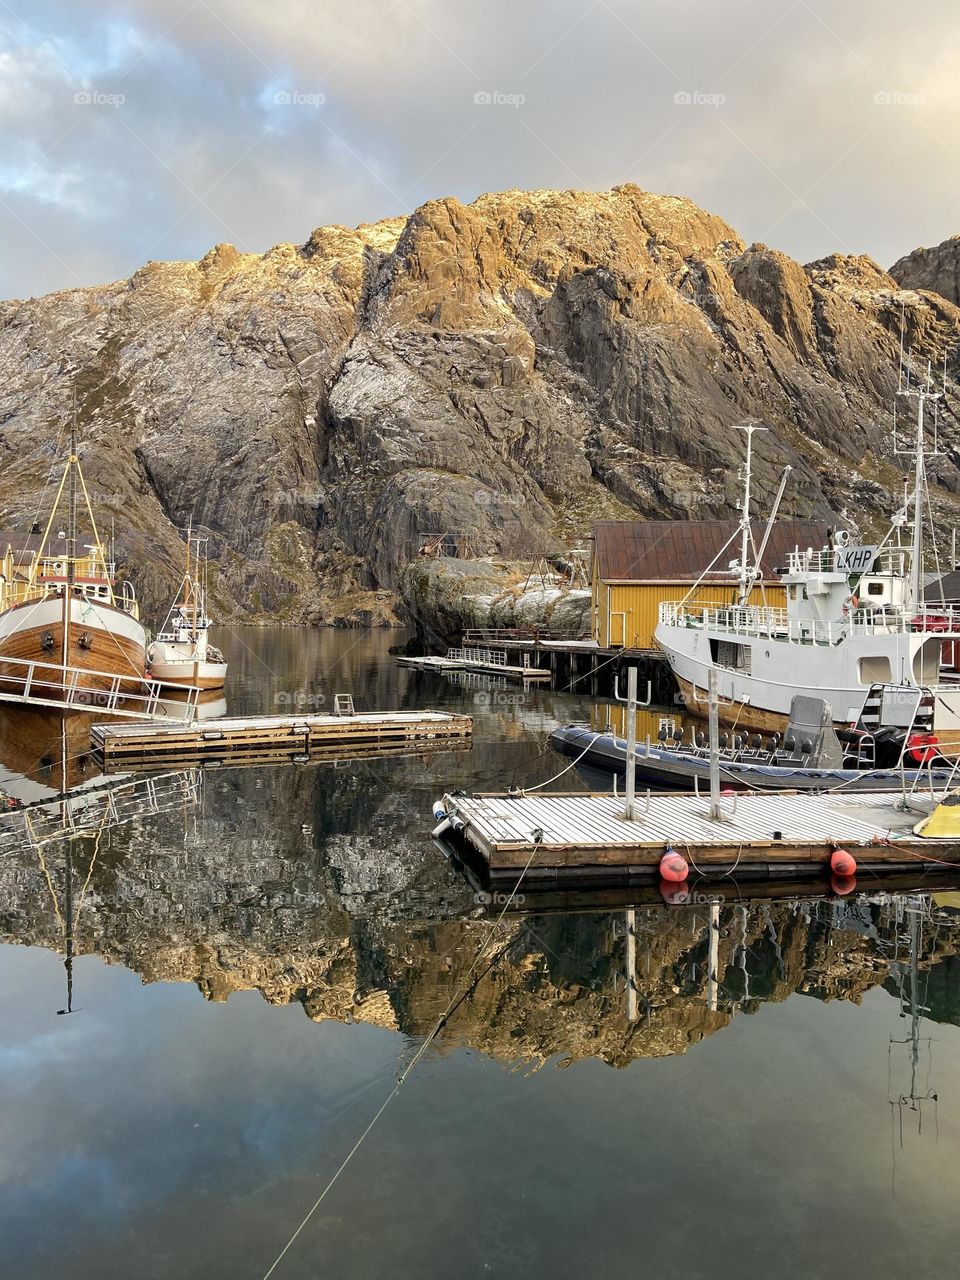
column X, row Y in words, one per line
column 232, row 739
column 586, row 836
column 487, row 661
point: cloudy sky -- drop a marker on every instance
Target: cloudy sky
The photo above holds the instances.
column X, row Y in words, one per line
column 142, row 129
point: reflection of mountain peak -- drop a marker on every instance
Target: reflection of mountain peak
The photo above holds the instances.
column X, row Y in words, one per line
column 378, row 928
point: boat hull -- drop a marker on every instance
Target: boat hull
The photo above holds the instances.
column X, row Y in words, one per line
column 104, row 643
column 172, row 667
column 683, row 770
column 758, row 695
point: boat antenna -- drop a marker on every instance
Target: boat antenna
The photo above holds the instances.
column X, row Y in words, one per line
column 748, row 427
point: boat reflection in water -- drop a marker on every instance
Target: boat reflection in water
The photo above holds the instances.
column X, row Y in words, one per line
column 337, row 909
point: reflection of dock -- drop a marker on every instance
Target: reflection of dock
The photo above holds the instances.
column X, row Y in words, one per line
column 564, row 836
column 240, row 740
column 569, row 898
column 295, row 755
column 89, row 810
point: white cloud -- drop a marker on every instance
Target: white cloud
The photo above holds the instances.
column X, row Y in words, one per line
column 383, row 116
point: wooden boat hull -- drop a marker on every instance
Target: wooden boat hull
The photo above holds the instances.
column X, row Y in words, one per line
column 104, row 643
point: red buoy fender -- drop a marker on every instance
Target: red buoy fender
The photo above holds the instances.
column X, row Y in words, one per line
column 921, row 748
column 673, row 867
column 843, row 863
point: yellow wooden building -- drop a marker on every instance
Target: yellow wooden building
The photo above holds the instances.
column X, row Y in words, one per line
column 637, row 565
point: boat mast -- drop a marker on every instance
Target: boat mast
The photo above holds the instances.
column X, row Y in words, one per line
column 922, row 393
column 916, row 559
column 745, row 574
column 71, row 534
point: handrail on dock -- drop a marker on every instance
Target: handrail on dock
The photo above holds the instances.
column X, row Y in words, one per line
column 51, row 684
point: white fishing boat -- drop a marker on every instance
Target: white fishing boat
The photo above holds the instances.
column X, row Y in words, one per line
column 182, row 653
column 854, row 618
column 67, row 627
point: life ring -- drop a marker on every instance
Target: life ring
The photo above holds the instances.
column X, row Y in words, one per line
column 851, row 603
column 921, row 748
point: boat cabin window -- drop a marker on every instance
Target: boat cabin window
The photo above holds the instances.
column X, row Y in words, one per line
column 875, row 670
column 874, row 588
column 727, row 653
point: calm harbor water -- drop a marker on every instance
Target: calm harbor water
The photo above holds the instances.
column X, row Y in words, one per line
column 257, row 954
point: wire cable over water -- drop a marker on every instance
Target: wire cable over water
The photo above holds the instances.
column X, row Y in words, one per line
column 456, row 999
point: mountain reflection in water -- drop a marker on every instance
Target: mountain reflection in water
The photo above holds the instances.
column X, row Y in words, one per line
column 318, row 885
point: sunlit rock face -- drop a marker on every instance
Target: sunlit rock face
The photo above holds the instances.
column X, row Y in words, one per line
column 936, row 270
column 493, row 375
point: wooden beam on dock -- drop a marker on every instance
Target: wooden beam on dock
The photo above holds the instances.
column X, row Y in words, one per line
column 283, row 735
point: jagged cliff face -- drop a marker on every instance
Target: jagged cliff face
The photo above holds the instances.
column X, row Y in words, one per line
column 499, row 373
column 936, row 270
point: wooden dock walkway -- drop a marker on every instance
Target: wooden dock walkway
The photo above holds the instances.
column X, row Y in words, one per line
column 588, row 836
column 279, row 735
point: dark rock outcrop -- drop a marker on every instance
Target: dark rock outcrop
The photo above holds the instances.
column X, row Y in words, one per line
column 492, row 375
column 937, row 270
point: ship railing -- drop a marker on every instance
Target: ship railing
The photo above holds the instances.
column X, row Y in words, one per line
column 776, row 623
column 67, row 688
column 811, row 561
column 480, row 657
column 825, row 561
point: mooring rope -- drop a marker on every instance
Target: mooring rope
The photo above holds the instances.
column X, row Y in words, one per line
column 455, row 1000
column 526, row 790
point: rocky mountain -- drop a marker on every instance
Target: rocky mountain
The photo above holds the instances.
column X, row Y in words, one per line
column 936, row 270
column 481, row 379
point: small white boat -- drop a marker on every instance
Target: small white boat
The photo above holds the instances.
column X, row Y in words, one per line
column 182, row 653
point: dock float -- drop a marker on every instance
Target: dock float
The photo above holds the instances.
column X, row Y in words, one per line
column 231, row 738
column 587, row 837
column 486, row 661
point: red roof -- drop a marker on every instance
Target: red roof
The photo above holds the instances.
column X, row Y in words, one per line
column 680, row 550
